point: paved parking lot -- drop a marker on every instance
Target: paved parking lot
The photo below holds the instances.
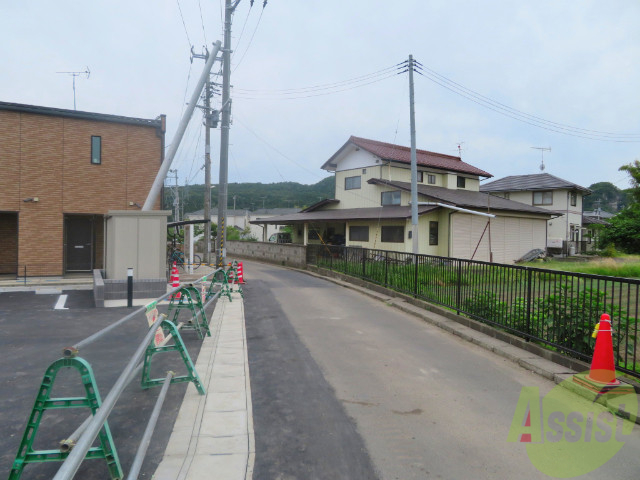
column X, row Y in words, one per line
column 32, row 335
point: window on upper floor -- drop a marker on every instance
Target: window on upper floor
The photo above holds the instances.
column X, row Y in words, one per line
column 420, row 177
column 461, row 182
column 391, row 198
column 574, row 198
column 96, row 150
column 431, row 179
column 352, row 183
column 543, row 198
column 358, row 233
column 392, row 234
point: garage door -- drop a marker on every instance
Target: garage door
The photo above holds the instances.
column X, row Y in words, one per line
column 511, row 237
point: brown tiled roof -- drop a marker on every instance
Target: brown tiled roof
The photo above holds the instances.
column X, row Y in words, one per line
column 346, row 214
column 465, row 198
column 398, row 153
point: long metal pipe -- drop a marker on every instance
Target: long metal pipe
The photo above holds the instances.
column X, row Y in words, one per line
column 182, row 126
column 69, row 352
column 73, row 461
column 148, row 432
column 459, row 209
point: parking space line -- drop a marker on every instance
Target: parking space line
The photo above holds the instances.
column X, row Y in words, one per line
column 60, row 303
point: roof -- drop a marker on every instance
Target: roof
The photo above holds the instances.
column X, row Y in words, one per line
column 376, row 213
column 466, row 198
column 536, row 181
column 589, row 220
column 321, row 203
column 101, row 117
column 274, row 211
column 398, row 153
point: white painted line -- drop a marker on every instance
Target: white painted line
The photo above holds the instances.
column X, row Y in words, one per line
column 60, row 304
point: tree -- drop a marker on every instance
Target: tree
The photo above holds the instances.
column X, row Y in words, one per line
column 623, row 230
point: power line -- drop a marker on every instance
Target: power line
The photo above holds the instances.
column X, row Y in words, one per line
column 184, row 24
column 521, row 116
column 252, row 35
column 317, row 94
column 202, row 23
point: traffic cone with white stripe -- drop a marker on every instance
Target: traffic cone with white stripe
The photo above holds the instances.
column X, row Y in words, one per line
column 175, row 279
column 240, row 273
column 602, row 375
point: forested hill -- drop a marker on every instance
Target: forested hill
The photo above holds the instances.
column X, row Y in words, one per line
column 253, row 196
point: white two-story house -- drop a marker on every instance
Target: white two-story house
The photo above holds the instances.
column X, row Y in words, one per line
column 371, row 207
column 547, row 191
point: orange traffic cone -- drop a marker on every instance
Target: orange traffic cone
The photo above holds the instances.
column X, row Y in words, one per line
column 602, row 376
column 240, row 273
column 175, row 279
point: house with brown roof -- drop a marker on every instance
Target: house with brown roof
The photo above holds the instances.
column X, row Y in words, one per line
column 566, row 231
column 371, row 207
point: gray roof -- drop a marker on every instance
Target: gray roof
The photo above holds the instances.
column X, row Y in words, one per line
column 345, row 214
column 536, row 181
column 61, row 112
column 466, row 198
column 275, row 211
column 589, row 220
column 214, row 212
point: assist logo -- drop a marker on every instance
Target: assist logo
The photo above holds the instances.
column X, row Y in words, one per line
column 567, row 435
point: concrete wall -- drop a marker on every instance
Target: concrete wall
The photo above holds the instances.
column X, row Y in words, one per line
column 281, row 253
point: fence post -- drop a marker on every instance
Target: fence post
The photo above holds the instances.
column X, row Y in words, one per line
column 459, row 287
column 330, row 260
column 415, row 276
column 25, row 275
column 364, row 259
column 529, row 278
column 386, row 269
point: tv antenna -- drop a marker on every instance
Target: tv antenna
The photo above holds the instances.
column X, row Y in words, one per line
column 542, row 150
column 460, row 149
column 86, row 72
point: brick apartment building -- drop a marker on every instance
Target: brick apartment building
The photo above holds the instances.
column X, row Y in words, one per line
column 61, row 172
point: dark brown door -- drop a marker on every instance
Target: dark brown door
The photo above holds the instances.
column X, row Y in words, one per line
column 79, row 246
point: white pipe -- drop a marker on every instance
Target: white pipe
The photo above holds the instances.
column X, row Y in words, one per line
column 466, row 210
column 173, row 148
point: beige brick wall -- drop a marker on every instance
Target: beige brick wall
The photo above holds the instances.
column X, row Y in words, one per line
column 49, row 157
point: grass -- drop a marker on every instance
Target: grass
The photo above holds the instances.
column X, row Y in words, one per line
column 625, row 267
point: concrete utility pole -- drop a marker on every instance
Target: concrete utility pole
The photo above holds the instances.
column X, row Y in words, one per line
column 414, row 163
column 221, row 238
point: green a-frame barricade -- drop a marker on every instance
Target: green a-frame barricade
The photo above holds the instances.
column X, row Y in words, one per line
column 188, row 298
column 106, row 450
column 178, row 346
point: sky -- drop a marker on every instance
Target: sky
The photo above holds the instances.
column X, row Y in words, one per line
column 308, row 74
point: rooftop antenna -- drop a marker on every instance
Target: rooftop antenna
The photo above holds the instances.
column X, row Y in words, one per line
column 460, row 144
column 542, row 150
column 86, row 72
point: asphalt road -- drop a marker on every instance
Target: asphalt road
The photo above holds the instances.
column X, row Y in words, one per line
column 32, row 335
column 344, row 386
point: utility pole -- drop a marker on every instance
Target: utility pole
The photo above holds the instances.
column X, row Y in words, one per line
column 176, row 197
column 207, row 173
column 221, row 238
column 414, row 163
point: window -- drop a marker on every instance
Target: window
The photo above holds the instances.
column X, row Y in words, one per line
column 431, row 179
column 506, row 195
column 352, row 183
column 461, row 182
column 542, row 198
column 433, row 233
column 96, row 150
column 364, row 170
column 574, row 199
column 392, row 234
column 391, row 198
column 358, row 234
column 420, row 177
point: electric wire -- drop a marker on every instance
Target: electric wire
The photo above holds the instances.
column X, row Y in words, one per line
column 202, row 23
column 242, row 30
column 317, row 94
column 184, row 24
column 252, row 35
column 518, row 115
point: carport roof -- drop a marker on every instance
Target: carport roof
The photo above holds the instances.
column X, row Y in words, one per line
column 345, row 214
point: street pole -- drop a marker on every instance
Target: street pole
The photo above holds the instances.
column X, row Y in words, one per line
column 414, row 163
column 221, row 237
column 207, row 173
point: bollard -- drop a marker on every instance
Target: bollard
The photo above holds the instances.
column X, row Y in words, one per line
column 129, row 287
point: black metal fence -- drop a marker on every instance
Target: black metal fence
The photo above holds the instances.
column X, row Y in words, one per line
column 556, row 309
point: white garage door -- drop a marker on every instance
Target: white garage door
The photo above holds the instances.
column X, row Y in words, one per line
column 511, row 237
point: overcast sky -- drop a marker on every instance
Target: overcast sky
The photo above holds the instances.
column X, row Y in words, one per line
column 571, row 62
